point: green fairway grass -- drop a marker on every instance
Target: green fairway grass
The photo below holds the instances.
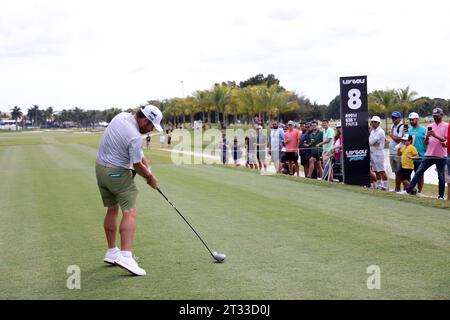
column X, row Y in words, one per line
column 285, row 238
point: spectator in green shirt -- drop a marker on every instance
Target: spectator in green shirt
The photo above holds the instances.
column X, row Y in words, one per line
column 315, row 138
column 327, row 141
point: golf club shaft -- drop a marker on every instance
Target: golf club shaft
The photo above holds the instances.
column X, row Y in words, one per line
column 173, row 206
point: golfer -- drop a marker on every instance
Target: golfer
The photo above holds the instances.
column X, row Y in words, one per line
column 120, row 148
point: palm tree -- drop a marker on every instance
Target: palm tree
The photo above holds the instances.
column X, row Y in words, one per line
column 34, row 114
column 234, row 107
column 220, row 98
column 405, row 99
column 78, row 116
column 190, row 108
column 272, row 101
column 246, row 98
column 173, row 108
column 47, row 114
column 16, row 113
column 203, row 102
column 281, row 102
column 383, row 101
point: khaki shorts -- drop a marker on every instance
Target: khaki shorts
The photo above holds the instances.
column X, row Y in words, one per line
column 396, row 163
column 326, row 155
column 116, row 186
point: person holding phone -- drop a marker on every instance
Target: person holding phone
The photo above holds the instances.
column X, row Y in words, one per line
column 418, row 133
column 436, row 154
column 447, row 177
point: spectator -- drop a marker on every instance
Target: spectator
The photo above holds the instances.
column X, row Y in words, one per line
column 291, row 138
column 162, row 139
column 305, row 152
column 315, row 137
column 436, row 153
column 251, row 151
column 336, row 150
column 302, row 126
column 408, row 153
column 327, row 142
column 275, row 145
column 261, row 145
column 236, row 152
column 169, row 136
column 447, row 177
column 377, row 139
column 224, row 147
column 147, row 140
column 418, row 133
column 283, row 163
column 396, row 133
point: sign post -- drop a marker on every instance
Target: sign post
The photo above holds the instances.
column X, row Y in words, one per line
column 355, row 130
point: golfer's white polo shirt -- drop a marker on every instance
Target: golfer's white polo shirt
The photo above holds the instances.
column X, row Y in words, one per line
column 121, row 144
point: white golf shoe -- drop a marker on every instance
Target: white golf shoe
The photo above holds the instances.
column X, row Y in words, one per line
column 129, row 264
column 110, row 256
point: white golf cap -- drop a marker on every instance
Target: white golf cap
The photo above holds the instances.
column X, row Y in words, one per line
column 405, row 137
column 413, row 115
column 154, row 115
column 375, row 119
column 338, row 124
column 290, row 122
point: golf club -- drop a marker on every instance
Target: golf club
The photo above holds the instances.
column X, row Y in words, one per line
column 219, row 257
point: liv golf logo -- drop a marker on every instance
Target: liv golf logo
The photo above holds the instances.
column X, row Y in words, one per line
column 354, row 95
column 356, row 155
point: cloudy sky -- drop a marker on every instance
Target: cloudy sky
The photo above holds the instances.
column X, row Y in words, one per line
column 100, row 54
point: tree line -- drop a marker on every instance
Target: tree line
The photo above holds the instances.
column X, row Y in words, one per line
column 229, row 102
column 49, row 118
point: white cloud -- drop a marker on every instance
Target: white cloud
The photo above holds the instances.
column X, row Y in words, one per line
column 98, row 54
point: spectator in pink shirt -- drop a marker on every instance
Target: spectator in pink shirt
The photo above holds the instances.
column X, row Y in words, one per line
column 291, row 139
column 436, row 139
column 447, row 177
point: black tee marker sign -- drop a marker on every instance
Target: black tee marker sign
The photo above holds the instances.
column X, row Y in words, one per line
column 355, row 131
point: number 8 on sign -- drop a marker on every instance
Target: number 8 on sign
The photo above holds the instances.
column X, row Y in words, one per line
column 354, row 101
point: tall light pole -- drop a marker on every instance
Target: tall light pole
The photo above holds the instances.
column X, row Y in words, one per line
column 182, row 89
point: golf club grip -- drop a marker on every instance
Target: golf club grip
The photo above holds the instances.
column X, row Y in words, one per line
column 192, row 228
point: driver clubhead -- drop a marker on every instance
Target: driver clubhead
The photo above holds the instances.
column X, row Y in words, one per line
column 219, row 257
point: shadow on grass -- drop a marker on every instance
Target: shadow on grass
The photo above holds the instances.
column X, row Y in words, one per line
column 427, row 202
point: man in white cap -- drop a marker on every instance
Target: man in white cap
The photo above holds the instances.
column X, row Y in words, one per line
column 418, row 133
column 120, row 150
column 377, row 139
